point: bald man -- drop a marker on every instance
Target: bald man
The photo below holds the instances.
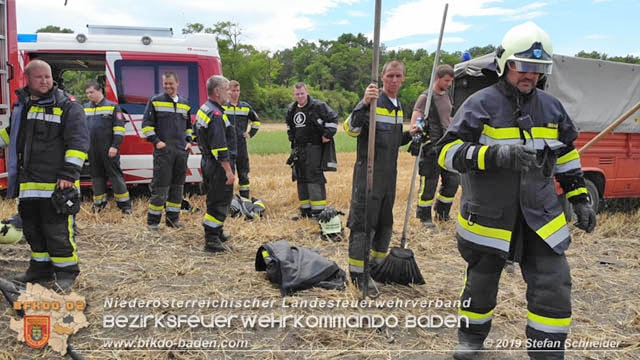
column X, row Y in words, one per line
column 48, row 142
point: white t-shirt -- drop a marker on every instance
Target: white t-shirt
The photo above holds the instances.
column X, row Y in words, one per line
column 175, row 98
column 394, row 101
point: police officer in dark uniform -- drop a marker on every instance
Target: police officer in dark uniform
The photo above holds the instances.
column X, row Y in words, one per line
column 310, row 123
column 389, row 137
column 167, row 124
column 212, row 133
column 48, row 143
column 106, row 131
column 240, row 114
column 508, row 141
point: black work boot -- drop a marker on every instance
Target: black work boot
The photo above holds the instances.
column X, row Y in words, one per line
column 213, row 241
column 424, row 214
column 96, row 208
column 442, row 210
column 153, row 221
column 467, row 351
column 304, row 213
column 38, row 271
column 174, row 221
column 358, row 279
column 64, row 280
column 245, row 194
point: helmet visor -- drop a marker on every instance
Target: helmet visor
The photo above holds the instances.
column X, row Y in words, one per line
column 525, row 67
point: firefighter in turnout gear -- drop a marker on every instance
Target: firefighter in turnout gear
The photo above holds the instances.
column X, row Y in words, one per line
column 437, row 122
column 167, row 124
column 48, row 143
column 106, row 131
column 310, row 123
column 508, row 141
column 212, row 133
column 389, row 137
column 240, row 114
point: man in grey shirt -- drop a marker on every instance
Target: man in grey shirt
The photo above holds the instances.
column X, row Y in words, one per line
column 436, row 124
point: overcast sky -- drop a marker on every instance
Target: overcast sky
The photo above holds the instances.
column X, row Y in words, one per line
column 609, row 26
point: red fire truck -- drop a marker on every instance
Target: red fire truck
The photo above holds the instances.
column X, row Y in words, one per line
column 130, row 62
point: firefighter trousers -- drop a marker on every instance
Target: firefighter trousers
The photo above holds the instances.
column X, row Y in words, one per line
column 242, row 165
column 430, row 173
column 102, row 168
column 312, row 193
column 219, row 196
column 548, row 295
column 169, row 173
column 49, row 234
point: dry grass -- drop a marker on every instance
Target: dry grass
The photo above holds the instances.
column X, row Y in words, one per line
column 120, row 258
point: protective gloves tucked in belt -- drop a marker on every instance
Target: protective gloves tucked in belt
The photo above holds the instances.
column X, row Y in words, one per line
column 514, row 156
column 586, row 216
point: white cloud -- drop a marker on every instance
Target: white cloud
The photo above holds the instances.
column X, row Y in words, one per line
column 423, row 17
column 342, row 22
column 357, row 13
column 265, row 24
column 428, row 44
column 596, row 37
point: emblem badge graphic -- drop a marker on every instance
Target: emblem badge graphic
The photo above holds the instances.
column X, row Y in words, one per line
column 36, row 330
column 299, row 119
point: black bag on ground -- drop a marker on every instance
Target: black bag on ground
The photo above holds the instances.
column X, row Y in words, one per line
column 297, row 268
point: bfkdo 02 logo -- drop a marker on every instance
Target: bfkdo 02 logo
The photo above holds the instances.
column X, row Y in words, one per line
column 37, row 330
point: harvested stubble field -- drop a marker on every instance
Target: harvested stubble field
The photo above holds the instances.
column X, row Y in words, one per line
column 120, row 258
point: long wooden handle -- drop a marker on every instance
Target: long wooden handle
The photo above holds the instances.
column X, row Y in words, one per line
column 609, row 128
column 403, row 239
column 371, row 150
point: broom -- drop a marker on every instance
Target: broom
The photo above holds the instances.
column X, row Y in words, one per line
column 400, row 265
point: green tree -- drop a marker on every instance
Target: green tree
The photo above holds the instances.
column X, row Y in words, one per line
column 54, row 29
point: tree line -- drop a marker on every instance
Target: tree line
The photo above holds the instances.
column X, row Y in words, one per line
column 336, row 71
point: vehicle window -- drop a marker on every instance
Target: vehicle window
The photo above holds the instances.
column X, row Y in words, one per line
column 138, row 80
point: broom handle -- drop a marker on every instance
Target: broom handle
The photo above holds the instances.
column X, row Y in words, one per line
column 403, row 239
column 371, row 150
column 609, row 128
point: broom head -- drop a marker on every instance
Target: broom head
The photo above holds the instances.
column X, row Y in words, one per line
column 399, row 267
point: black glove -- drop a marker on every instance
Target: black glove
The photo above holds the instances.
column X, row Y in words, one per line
column 515, row 156
column 586, row 216
column 293, row 157
column 414, row 148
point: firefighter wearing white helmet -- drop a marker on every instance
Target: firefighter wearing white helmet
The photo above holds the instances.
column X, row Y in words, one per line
column 508, row 141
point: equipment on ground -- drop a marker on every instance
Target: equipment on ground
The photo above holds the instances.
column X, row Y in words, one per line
column 11, row 230
column 330, row 224
column 400, row 265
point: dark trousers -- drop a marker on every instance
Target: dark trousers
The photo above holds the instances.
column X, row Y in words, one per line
column 548, row 294
column 430, row 172
column 312, row 194
column 50, row 235
column 169, row 173
column 102, row 168
column 219, row 195
column 242, row 165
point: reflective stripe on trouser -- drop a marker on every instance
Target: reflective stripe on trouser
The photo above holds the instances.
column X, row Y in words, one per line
column 242, row 165
column 219, row 196
column 548, row 293
column 312, row 196
column 49, row 234
column 378, row 249
column 103, row 168
column 169, row 173
column 431, row 173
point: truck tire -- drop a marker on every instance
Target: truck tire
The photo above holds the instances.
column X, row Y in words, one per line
column 594, row 196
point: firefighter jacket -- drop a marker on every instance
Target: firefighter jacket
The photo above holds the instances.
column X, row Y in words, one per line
column 322, row 119
column 48, row 140
column 167, row 121
column 493, row 197
column 212, row 127
column 240, row 116
column 106, row 125
column 389, row 138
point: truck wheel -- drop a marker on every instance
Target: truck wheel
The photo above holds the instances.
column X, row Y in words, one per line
column 594, row 195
